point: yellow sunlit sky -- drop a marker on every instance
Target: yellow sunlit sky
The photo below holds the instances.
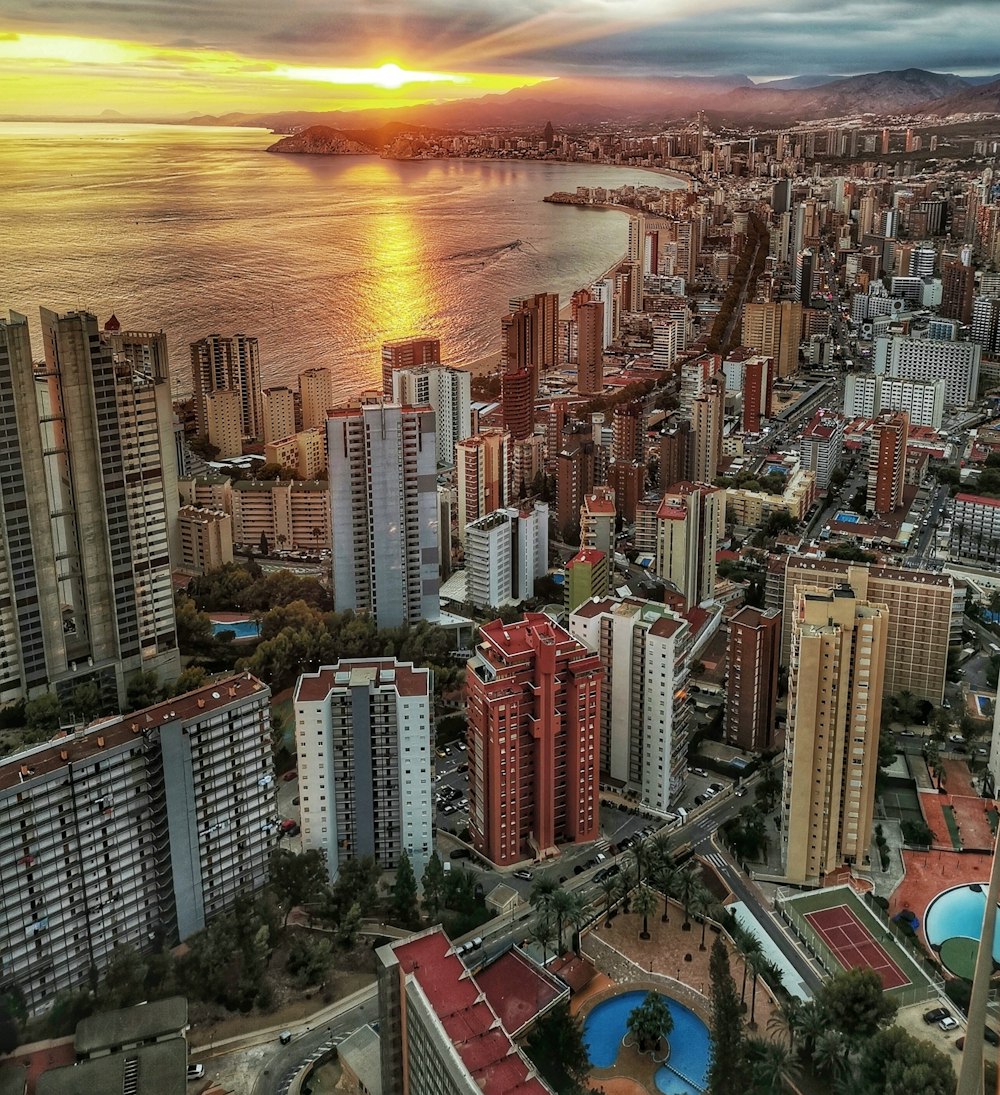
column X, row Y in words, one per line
column 73, row 58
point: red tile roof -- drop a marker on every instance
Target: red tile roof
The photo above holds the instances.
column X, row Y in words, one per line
column 407, row 681
column 977, row 500
column 517, row 990
column 467, row 1016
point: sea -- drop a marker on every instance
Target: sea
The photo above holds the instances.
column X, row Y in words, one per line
column 199, row 230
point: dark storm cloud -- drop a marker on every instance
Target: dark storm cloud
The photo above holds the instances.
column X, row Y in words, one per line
column 649, row 36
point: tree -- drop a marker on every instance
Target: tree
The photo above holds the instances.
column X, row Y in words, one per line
column 774, row 1065
column 748, row 946
column 645, row 906
column 404, row 893
column 855, row 1002
column 727, row 1066
column 543, row 934
column 566, row 908
column 641, row 855
column 542, row 893
column 10, row 1035
column 786, row 1020
column 702, row 903
column 124, row 982
column 189, row 679
column 557, row 1049
column 43, row 713
column 433, row 886
column 85, row 701
column 895, row 1062
column 143, row 690
column 609, row 888
column 768, row 789
column 297, row 879
column 687, row 886
column 265, row 547
column 309, row 960
column 650, row 1023
column 350, row 925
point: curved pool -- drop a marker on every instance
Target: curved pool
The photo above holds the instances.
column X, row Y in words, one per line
column 687, row 1070
column 958, row 912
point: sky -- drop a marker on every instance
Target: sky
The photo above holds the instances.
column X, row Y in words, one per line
column 170, row 57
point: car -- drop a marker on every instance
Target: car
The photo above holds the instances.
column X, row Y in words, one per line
column 740, row 791
column 461, row 853
column 285, row 1037
column 287, row 825
column 948, row 1023
column 991, row 1036
column 699, row 799
column 578, row 869
column 907, row 734
column 195, row 1072
column 698, row 772
column 289, row 776
column 523, row 875
column 716, row 787
column 296, row 801
column 935, row 1015
column 956, row 739
column 440, row 752
column 462, row 768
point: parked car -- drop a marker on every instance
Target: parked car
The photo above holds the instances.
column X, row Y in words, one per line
column 287, row 825
column 195, row 1072
column 699, row 772
column 935, row 1015
column 948, row 1023
column 285, row 1037
column 524, row 876
column 699, row 799
column 461, row 853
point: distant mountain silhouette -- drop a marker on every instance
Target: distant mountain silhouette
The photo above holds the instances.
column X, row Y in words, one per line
column 982, row 99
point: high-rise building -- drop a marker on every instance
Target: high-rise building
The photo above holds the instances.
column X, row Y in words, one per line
column 574, row 479
column 957, row 289
column 835, row 689
column 975, row 528
column 689, row 526
column 534, row 740
column 597, row 520
column 628, row 438
column 316, row 395
column 867, row 395
column 363, row 741
column 752, row 687
column 228, row 363
column 590, row 348
column 925, row 614
column 287, row 513
column 506, row 552
column 517, row 403
column 383, row 496
column 822, row 445
column 448, row 392
column 675, row 453
column 544, row 309
column 407, row 353
column 758, row 381
column 224, row 422
column 774, row 329
column 804, row 273
column 88, row 509
column 986, row 324
column 707, row 418
column 484, row 476
column 887, row 462
column 278, row 413
column 645, row 650
column 956, row 363
column 587, row 575
column 134, row 830
column 206, row 539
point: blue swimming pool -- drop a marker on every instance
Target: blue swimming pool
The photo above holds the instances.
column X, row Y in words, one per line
column 959, row 912
column 245, row 629
column 845, row 518
column 687, row 1070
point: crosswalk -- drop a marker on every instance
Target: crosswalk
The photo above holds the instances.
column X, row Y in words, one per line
column 318, row 1053
column 716, row 859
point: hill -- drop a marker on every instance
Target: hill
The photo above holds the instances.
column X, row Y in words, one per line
column 982, row 99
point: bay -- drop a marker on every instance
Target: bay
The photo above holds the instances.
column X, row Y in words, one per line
column 198, row 230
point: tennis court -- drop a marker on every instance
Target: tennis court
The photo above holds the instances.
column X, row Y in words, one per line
column 854, row 945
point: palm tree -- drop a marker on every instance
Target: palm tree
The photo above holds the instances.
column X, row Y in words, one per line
column 687, row 885
column 830, row 1054
column 748, row 946
column 702, row 903
column 786, row 1020
column 650, row 1023
column 645, row 906
column 543, row 934
column 665, row 880
column 542, row 893
column 609, row 887
column 757, row 963
column 775, row 1067
column 660, row 846
column 642, row 856
column 811, row 1024
column 626, row 881
column 564, row 905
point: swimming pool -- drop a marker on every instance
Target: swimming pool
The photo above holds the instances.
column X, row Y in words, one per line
column 245, row 629
column 687, row 1070
column 959, row 912
column 845, row 518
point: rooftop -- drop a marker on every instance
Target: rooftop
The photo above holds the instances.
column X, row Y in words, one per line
column 162, row 1070
column 518, row 990
column 977, row 500
column 361, row 1053
column 73, row 748
column 131, row 1026
column 352, row 672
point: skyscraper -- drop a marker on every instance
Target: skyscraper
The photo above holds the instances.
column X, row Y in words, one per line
column 316, row 394
column 88, row 470
column 534, row 739
column 645, row 649
column 590, row 348
column 279, row 413
column 221, row 362
column 835, row 689
column 774, row 329
column 517, row 403
column 752, row 687
column 689, row 525
column 383, row 497
column 363, row 740
column 483, row 476
column 707, row 411
column 887, row 462
column 448, row 392
column 544, row 311
column 405, row 353
column 957, row 290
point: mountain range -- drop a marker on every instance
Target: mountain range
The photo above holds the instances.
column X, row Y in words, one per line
column 569, row 101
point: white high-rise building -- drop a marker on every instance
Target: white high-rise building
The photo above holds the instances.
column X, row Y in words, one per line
column 866, row 395
column 645, row 719
column 506, row 552
column 382, row 465
column 664, row 343
column 363, row 738
column 956, row 363
column 448, row 391
column 133, row 830
column 85, row 556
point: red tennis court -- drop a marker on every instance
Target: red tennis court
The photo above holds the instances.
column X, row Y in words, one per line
column 854, row 945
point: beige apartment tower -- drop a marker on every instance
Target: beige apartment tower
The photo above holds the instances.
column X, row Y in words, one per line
column 316, row 396
column 279, row 413
column 835, row 688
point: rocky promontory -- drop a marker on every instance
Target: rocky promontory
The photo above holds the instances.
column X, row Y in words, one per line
column 321, row 140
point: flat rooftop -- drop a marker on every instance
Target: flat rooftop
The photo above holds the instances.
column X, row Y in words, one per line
column 518, row 990
column 162, row 1071
column 130, row 1026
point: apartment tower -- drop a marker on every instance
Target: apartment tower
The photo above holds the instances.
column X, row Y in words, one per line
column 407, row 353
column 484, row 476
column 316, row 396
column 752, row 687
column 590, row 348
column 384, row 510
column 363, row 740
column 534, row 696
column 221, row 362
column 887, row 462
column 835, row 689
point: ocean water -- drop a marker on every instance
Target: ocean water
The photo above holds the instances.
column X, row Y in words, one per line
column 198, row 230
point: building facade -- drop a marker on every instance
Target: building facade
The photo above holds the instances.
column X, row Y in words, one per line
column 754, row 651
column 135, row 829
column 690, row 522
column 316, row 397
column 448, row 392
column 534, row 697
column 407, row 353
column 228, row 363
column 484, row 476
column 384, row 512
column 206, row 537
column 956, row 363
column 835, row 689
column 822, row 446
column 975, row 528
column 363, row 739
column 887, row 462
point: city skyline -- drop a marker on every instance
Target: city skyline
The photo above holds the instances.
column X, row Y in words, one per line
column 82, row 58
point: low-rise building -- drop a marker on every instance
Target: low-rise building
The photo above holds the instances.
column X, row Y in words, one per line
column 289, row 514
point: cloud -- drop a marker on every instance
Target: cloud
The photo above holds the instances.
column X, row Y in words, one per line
column 548, row 37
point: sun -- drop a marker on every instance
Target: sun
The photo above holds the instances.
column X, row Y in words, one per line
column 389, row 75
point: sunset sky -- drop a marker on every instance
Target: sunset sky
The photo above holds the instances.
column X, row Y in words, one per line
column 169, row 57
